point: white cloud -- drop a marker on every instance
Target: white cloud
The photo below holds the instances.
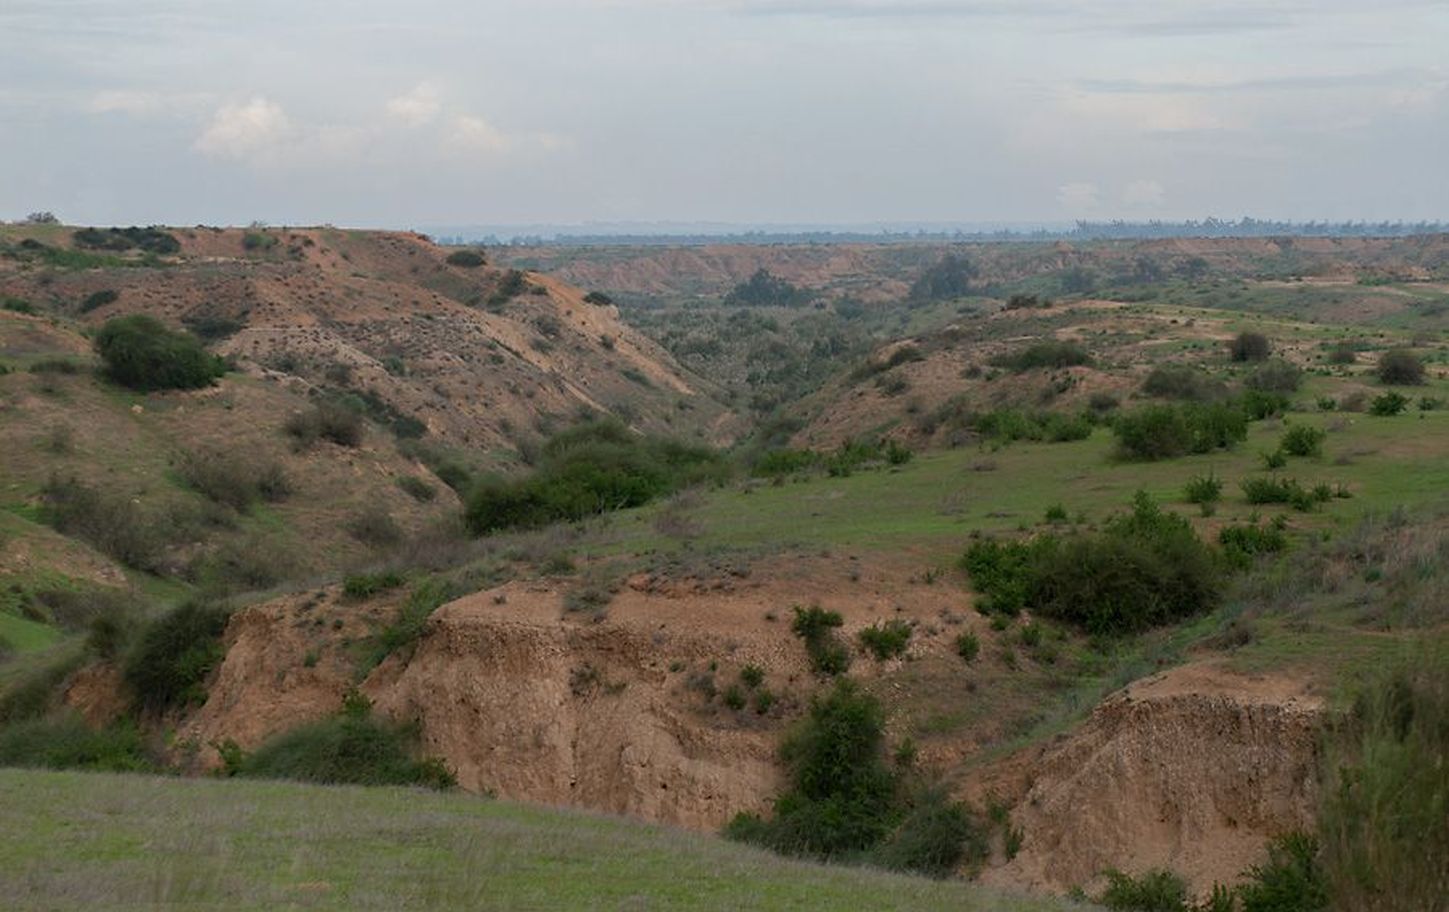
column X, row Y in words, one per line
column 246, row 131
column 418, row 106
column 1143, row 194
column 470, row 133
column 1078, row 197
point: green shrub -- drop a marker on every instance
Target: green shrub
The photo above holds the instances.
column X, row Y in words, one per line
column 935, row 837
column 734, row 697
column 1182, row 381
column 887, row 639
column 1274, row 490
column 402, row 635
column 968, row 646
column 1203, row 489
column 1013, row 424
column 1259, row 404
column 765, row 290
column 949, row 277
column 55, row 366
column 1276, row 377
column 1244, row 543
column 594, row 468
column 1388, row 404
column 174, row 655
column 37, row 691
column 1400, row 367
column 1055, row 514
column 1303, row 440
column 69, row 743
column 256, row 241
column 1249, row 346
column 417, row 488
column 1274, row 459
column 1153, row 891
column 1166, row 431
column 374, row 526
column 1342, row 353
column 18, row 305
column 99, row 299
column 752, row 676
column 329, row 419
column 1052, row 354
column 151, row 240
column 842, row 796
column 816, row 626
column 1290, row 881
column 232, row 478
column 141, row 353
column 468, row 259
column 1144, row 569
column 107, row 520
column 351, row 748
column 366, row 585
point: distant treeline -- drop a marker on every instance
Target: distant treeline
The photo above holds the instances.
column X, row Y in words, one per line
column 1081, row 231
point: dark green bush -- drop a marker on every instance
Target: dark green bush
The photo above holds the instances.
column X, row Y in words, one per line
column 765, row 290
column 374, row 526
column 1203, row 489
column 887, row 639
column 55, row 366
column 1166, row 431
column 468, row 259
column 174, row 654
column 1260, row 404
column 1051, row 354
column 1185, row 382
column 37, row 691
column 69, row 743
column 1303, row 440
column 1276, row 377
column 842, row 797
column 934, row 839
column 1144, row 569
column 99, row 299
column 949, row 277
column 1275, row 490
column 151, row 240
column 352, row 748
column 1153, row 891
column 402, row 635
column 1245, row 543
column 594, row 468
column 1388, row 404
column 968, row 646
column 816, row 626
column 17, row 305
column 366, row 585
column 1400, row 367
column 1290, row 881
column 1013, row 424
column 417, row 488
column 141, row 353
column 1249, row 346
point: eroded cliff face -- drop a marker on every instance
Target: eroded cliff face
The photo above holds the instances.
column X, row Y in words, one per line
column 579, row 715
column 1191, row 770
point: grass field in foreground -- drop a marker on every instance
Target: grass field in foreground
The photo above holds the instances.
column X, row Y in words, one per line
column 95, row 841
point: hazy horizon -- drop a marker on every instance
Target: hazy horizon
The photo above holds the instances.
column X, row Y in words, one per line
column 725, row 112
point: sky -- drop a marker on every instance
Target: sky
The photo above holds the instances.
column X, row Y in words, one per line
column 752, row 112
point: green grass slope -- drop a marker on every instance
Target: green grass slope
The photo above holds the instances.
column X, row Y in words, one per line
column 90, row 841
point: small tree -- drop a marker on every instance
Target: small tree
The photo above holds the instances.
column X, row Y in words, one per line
column 1250, row 346
column 1400, row 367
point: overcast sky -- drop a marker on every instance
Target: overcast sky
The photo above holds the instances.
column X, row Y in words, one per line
column 426, row 112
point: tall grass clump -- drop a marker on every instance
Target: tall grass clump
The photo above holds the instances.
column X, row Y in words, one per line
column 1050, row 354
column 1383, row 822
column 69, row 743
